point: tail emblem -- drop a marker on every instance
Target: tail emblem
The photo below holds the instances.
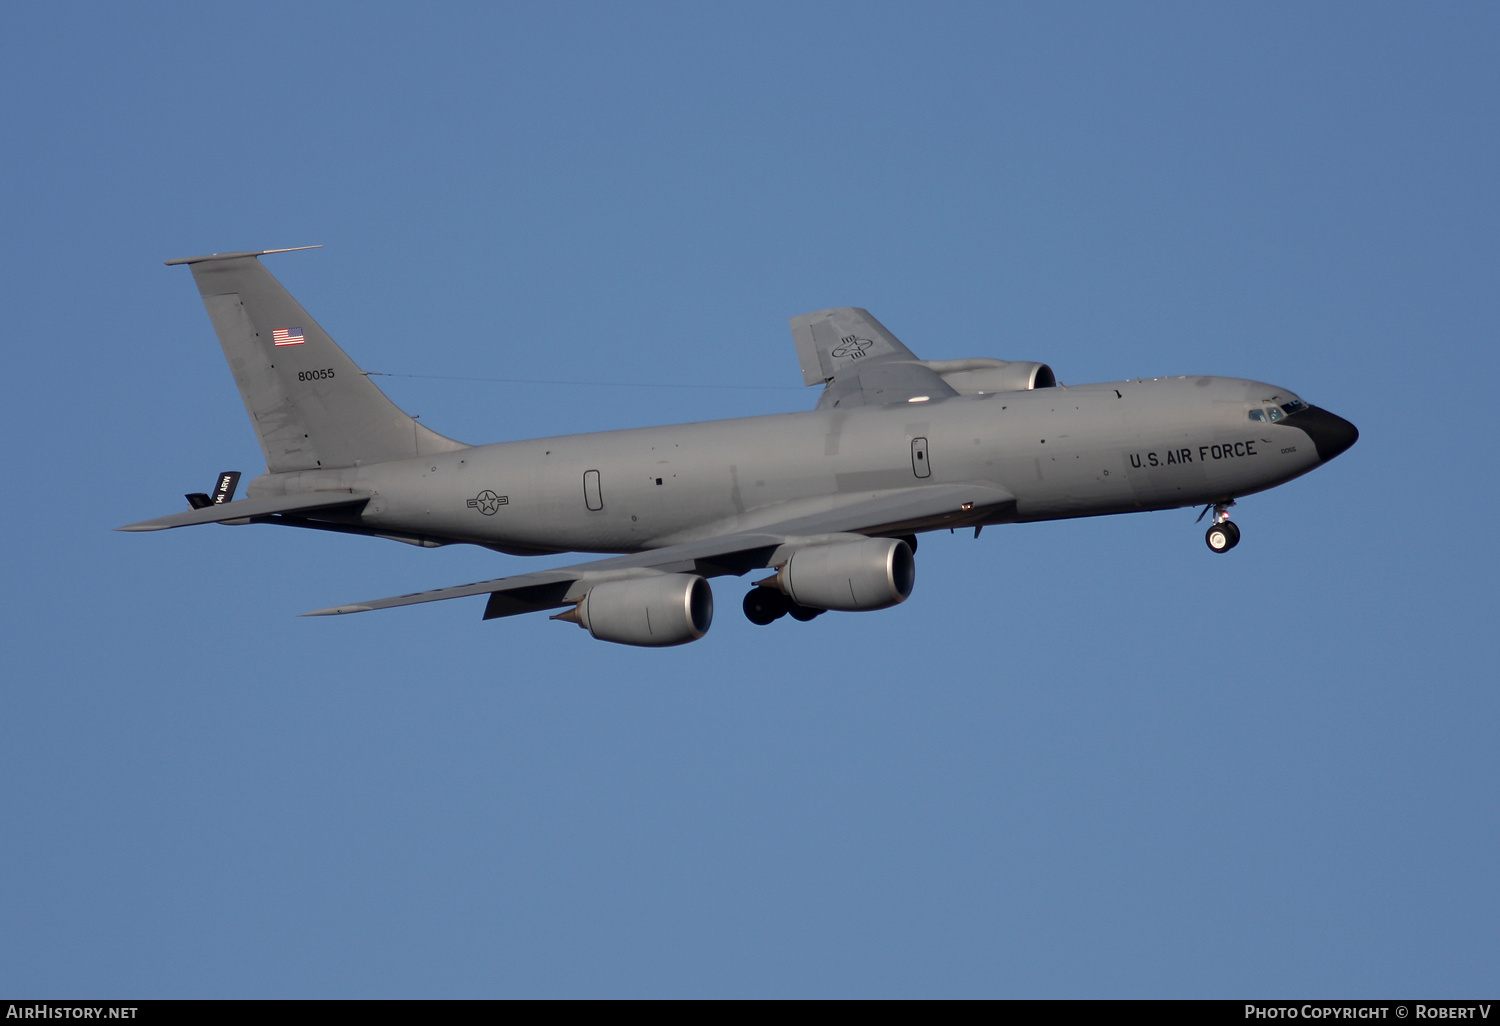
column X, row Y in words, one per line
column 853, row 347
column 287, row 336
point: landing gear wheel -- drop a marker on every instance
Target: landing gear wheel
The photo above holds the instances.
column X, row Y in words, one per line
column 763, row 605
column 805, row 613
column 1223, row 536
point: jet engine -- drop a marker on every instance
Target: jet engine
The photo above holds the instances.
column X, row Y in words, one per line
column 667, row 609
column 852, row 576
column 980, row 375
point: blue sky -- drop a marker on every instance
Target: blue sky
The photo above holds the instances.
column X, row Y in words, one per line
column 1086, row 759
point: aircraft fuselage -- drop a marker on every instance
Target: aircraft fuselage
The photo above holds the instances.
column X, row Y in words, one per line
column 1062, row 452
column 830, row 500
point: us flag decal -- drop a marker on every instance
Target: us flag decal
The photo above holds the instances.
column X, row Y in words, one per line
column 287, row 336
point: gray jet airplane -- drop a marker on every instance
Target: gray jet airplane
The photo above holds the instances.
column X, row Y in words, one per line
column 830, row 501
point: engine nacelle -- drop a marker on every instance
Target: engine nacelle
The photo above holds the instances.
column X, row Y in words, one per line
column 980, row 376
column 852, row 576
column 668, row 609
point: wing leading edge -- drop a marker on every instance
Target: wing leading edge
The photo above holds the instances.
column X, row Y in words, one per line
column 890, row 513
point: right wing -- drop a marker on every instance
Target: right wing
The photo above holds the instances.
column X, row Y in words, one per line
column 890, row 513
column 861, row 362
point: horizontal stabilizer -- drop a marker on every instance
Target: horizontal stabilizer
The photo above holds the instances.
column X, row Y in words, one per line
column 220, row 512
column 234, row 256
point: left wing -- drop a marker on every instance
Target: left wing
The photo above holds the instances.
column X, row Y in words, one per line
column 861, row 362
column 889, row 513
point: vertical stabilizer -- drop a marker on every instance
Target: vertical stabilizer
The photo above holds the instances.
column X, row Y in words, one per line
column 310, row 405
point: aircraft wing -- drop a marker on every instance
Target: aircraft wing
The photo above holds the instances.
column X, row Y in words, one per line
column 889, row 513
column 305, row 502
column 861, row 362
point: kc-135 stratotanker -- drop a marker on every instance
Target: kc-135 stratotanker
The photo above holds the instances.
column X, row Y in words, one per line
column 829, row 501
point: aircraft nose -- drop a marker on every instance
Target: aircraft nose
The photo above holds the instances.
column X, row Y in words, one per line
column 1330, row 433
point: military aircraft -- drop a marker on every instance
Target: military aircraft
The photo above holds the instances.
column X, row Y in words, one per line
column 830, row 501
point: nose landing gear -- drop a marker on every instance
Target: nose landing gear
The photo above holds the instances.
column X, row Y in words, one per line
column 1223, row 537
column 1223, row 534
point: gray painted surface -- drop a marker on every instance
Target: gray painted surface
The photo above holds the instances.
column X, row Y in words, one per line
column 892, row 449
column 310, row 405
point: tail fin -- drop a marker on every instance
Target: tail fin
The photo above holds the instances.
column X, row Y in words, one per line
column 311, row 406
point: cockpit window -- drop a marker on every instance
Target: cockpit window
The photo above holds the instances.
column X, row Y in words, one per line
column 1295, row 406
column 1274, row 412
column 1257, row 415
